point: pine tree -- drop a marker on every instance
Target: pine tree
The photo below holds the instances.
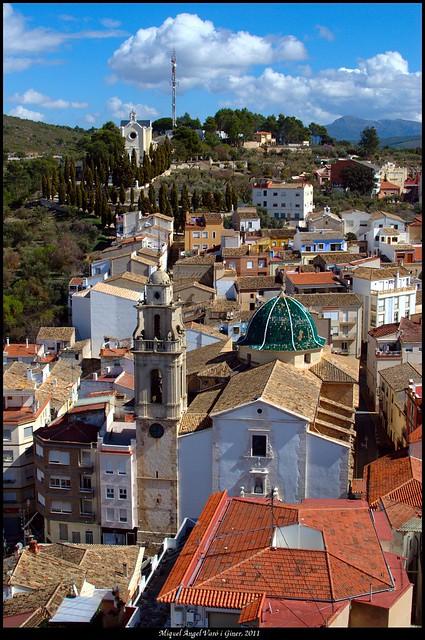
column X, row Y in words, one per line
column 122, row 195
column 184, row 200
column 195, row 201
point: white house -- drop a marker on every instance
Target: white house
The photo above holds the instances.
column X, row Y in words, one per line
column 284, row 201
column 137, row 135
column 380, row 220
column 355, row 221
column 387, row 295
column 118, row 487
column 246, row 219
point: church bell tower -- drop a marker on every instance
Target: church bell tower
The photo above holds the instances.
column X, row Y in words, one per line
column 160, row 400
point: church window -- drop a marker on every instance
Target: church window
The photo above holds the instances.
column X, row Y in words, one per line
column 259, row 446
column 259, row 485
column 157, row 326
column 307, row 358
column 156, row 295
column 133, row 135
column 156, row 386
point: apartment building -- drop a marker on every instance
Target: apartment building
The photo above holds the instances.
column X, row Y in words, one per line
column 381, row 220
column 388, row 346
column 387, row 295
column 355, row 221
column 202, row 232
column 345, row 314
column 116, row 461
column 246, row 263
column 284, row 201
column 25, row 410
column 253, row 291
column 66, row 483
column 311, row 243
column 393, row 384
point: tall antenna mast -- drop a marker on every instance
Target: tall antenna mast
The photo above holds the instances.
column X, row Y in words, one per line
column 173, row 88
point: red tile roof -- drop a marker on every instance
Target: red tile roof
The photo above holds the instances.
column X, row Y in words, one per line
column 69, row 430
column 416, row 434
column 396, row 477
column 228, row 560
column 15, row 350
column 125, row 380
column 384, row 330
column 23, row 414
column 311, row 277
column 113, row 353
column 389, row 185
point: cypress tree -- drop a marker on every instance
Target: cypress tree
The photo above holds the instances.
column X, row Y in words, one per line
column 234, row 199
column 195, row 201
column 174, row 200
column 152, row 197
column 228, row 197
column 132, row 196
column 162, row 199
column 184, row 200
column 62, row 193
column 122, row 195
column 147, row 169
column 218, row 200
column 114, row 196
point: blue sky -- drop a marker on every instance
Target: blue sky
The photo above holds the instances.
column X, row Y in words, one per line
column 85, row 63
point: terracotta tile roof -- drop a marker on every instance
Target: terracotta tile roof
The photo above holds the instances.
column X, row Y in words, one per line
column 284, row 613
column 119, row 292
column 198, row 359
column 377, row 215
column 384, row 330
column 334, row 300
column 410, row 331
column 192, row 422
column 228, row 560
column 207, row 259
column 335, row 257
column 415, row 435
column 389, row 185
column 24, row 415
column 192, row 283
column 398, row 377
column 75, row 281
column 396, row 476
column 253, row 283
column 56, row 333
column 213, row 218
column 15, row 350
column 366, row 273
column 125, row 380
column 219, row 370
column 309, row 236
column 107, row 352
column 252, row 611
column 64, row 375
column 131, row 277
column 15, row 377
column 143, row 260
column 313, row 278
column 266, row 382
column 67, row 430
column 335, row 368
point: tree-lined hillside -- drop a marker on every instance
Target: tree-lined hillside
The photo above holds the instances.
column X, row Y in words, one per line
column 28, row 137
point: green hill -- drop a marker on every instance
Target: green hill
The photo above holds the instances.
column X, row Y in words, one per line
column 28, row 137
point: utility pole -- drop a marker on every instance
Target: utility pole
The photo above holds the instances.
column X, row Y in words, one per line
column 173, row 89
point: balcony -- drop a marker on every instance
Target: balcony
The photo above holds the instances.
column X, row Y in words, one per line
column 88, row 516
column 158, row 346
column 88, row 465
column 409, row 289
column 387, row 354
column 87, row 491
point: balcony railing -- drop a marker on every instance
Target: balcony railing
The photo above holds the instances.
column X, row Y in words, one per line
column 387, row 354
column 391, row 291
column 159, row 346
column 88, row 516
column 87, row 491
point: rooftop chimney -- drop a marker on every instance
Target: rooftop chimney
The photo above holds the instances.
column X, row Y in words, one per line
column 7, row 341
column 33, row 546
column 27, row 342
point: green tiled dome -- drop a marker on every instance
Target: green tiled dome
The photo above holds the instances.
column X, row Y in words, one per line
column 282, row 324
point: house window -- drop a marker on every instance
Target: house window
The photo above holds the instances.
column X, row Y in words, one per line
column 85, row 483
column 307, row 358
column 58, row 457
column 196, row 234
column 275, row 204
column 275, row 193
column 394, row 239
column 110, row 493
column 85, row 460
column 320, row 246
column 265, row 204
column 308, row 249
column 395, row 226
column 395, row 316
column 205, row 234
column 41, row 499
column 58, row 506
column 76, row 537
column 298, row 206
column 110, row 515
column 377, row 238
column 236, row 330
column 7, row 435
column 249, row 264
column 121, row 468
column 89, row 537
column 27, row 432
column 259, row 446
column 123, row 493
column 86, row 507
column 109, row 469
column 63, row 531
column 40, row 475
column 265, row 194
column 39, row 450
column 213, row 235
column 344, row 346
column 60, row 482
column 7, row 455
column 123, row 515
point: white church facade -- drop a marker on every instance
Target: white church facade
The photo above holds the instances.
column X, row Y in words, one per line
column 137, row 135
column 284, row 422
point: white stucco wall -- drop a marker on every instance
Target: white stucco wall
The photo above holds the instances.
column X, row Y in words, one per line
column 81, row 315
column 111, row 316
column 327, row 468
column 194, row 464
column 225, row 288
column 232, row 461
column 196, row 339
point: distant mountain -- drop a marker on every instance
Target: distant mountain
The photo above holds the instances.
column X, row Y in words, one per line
column 350, row 128
column 27, row 136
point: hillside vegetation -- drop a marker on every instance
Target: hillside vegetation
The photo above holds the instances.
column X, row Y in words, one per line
column 28, row 137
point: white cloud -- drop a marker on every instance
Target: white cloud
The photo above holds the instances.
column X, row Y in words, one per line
column 120, row 109
column 110, row 24
column 20, row 41
column 206, row 55
column 325, row 33
column 91, row 118
column 34, row 97
column 380, row 87
column 22, row 112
